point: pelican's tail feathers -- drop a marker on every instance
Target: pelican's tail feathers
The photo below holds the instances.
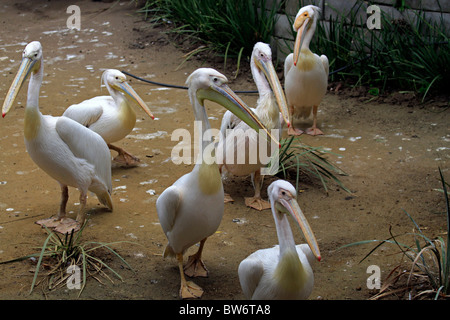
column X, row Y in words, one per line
column 168, row 252
column 303, row 112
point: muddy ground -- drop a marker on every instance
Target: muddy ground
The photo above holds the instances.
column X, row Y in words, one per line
column 390, row 149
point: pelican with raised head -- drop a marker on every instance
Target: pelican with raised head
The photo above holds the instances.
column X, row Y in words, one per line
column 271, row 109
column 306, row 74
column 192, row 208
column 282, row 272
column 67, row 151
column 111, row 116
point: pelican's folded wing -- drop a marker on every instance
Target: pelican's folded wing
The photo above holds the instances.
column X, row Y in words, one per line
column 87, row 112
column 167, row 206
column 250, row 272
column 88, row 145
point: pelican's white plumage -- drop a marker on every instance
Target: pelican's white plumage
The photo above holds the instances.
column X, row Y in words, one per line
column 271, row 109
column 283, row 271
column 67, row 151
column 192, row 208
column 306, row 74
column 112, row 117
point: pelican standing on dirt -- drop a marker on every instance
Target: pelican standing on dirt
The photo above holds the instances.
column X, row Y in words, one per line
column 306, row 74
column 284, row 271
column 271, row 109
column 112, row 116
column 192, row 208
column 67, row 151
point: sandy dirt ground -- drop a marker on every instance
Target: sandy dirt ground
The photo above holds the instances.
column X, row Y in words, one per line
column 390, row 149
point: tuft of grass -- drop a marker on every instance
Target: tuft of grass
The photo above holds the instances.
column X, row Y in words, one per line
column 58, row 253
column 429, row 272
column 296, row 157
column 227, row 28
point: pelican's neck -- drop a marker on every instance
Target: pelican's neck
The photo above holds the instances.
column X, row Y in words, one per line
column 289, row 271
column 203, row 125
column 33, row 117
column 125, row 112
column 260, row 80
column 117, row 96
column 284, row 232
column 34, row 86
column 266, row 108
column 209, row 179
column 309, row 35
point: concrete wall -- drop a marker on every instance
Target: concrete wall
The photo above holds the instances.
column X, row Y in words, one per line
column 283, row 36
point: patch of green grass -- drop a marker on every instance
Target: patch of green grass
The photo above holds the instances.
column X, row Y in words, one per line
column 226, row 28
column 59, row 252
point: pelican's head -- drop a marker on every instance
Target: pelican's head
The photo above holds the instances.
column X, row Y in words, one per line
column 118, row 81
column 305, row 20
column 262, row 58
column 282, row 196
column 209, row 84
column 31, row 62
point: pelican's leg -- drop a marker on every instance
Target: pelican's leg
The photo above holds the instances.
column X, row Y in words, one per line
column 314, row 131
column 256, row 202
column 226, row 196
column 55, row 221
column 188, row 289
column 195, row 266
column 292, row 131
column 68, row 225
column 124, row 159
column 81, row 216
column 64, row 199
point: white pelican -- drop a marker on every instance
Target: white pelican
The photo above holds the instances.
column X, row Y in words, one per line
column 306, row 74
column 284, row 271
column 112, row 116
column 67, row 151
column 191, row 209
column 271, row 108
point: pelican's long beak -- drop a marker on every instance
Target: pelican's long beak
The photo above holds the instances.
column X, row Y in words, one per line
column 25, row 68
column 128, row 91
column 296, row 213
column 272, row 78
column 301, row 25
column 224, row 96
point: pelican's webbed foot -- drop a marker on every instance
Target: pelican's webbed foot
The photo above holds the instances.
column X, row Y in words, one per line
column 257, row 203
column 195, row 267
column 190, row 290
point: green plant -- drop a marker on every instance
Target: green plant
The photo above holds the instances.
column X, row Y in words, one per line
column 295, row 156
column 59, row 253
column 227, row 28
column 430, row 259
